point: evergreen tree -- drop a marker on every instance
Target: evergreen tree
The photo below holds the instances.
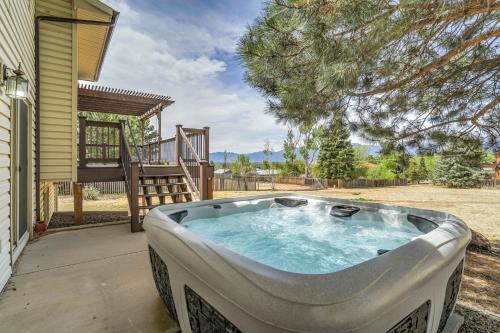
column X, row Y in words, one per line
column 423, row 173
column 410, row 72
column 291, row 167
column 462, row 165
column 336, row 156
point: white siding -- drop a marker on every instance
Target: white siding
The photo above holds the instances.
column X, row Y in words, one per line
column 16, row 45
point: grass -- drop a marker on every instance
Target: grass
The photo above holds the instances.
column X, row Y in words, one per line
column 479, row 208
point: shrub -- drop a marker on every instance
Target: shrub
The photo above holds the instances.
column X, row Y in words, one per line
column 90, row 193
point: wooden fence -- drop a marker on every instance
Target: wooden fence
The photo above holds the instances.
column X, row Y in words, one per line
column 251, row 183
column 234, row 183
column 65, row 188
column 365, row 183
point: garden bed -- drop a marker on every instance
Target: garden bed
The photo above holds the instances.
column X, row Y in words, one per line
column 66, row 219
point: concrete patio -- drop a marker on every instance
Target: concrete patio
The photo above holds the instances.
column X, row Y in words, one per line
column 90, row 280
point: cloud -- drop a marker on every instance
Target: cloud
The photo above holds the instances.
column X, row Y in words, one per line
column 177, row 55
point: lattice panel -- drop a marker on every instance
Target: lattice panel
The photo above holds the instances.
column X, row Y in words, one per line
column 415, row 322
column 204, row 318
column 450, row 298
column 162, row 281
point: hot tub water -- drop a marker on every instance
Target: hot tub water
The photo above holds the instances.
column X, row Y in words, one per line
column 306, row 239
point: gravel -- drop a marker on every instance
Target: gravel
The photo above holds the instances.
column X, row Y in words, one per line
column 478, row 321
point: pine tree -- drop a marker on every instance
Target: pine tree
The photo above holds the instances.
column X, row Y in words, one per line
column 291, row 167
column 423, row 173
column 462, row 165
column 411, row 72
column 336, row 156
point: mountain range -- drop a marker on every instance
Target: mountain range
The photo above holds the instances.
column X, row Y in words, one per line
column 277, row 156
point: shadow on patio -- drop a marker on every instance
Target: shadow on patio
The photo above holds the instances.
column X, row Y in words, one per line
column 91, row 280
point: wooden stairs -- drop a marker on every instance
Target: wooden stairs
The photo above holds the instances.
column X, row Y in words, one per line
column 156, row 190
column 105, row 154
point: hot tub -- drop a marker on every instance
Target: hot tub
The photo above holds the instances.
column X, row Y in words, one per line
column 288, row 263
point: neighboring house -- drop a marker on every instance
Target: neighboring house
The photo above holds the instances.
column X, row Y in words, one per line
column 66, row 53
column 267, row 172
column 220, row 172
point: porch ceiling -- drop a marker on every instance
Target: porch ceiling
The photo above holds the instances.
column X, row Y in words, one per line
column 93, row 98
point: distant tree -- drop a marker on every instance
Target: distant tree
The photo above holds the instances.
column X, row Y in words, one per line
column 360, row 161
column 242, row 166
column 291, row 167
column 268, row 152
column 336, row 156
column 462, row 165
column 309, row 146
column 423, row 173
column 386, row 168
column 224, row 164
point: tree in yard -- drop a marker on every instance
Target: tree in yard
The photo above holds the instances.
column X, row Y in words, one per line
column 242, row 166
column 310, row 141
column 336, row 156
column 423, row 173
column 268, row 152
column 462, row 165
column 291, row 167
column 267, row 164
column 413, row 72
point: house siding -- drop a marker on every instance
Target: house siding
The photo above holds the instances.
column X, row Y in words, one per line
column 47, row 200
column 16, row 45
column 58, row 92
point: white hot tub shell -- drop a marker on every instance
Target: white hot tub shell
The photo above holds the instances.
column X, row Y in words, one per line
column 208, row 288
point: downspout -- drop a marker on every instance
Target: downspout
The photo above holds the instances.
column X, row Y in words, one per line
column 56, row 19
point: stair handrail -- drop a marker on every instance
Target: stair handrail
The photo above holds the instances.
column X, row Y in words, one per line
column 135, row 147
column 190, row 146
column 197, row 174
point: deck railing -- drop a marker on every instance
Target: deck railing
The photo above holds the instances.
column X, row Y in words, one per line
column 107, row 142
column 192, row 147
column 101, row 142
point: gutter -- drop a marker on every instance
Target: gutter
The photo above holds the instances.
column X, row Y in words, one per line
column 38, row 21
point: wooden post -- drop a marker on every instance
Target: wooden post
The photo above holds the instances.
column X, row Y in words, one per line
column 78, row 203
column 203, row 180
column 159, row 137
column 134, row 197
column 82, row 141
column 122, row 135
column 178, row 143
column 210, row 188
column 206, row 132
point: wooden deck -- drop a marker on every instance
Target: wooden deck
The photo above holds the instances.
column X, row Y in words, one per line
column 107, row 155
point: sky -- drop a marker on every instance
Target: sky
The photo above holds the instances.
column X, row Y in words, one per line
column 186, row 49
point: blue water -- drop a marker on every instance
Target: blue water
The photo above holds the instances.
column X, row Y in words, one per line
column 306, row 239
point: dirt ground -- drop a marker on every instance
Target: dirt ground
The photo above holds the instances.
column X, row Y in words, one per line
column 479, row 208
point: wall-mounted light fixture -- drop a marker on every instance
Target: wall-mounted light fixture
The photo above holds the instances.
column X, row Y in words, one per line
column 16, row 84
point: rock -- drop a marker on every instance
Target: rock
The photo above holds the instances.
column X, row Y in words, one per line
column 479, row 242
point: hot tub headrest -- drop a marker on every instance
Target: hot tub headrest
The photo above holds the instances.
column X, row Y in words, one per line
column 343, row 211
column 422, row 224
column 178, row 216
column 289, row 202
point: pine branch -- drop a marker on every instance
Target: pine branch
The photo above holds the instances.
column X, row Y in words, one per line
column 428, row 68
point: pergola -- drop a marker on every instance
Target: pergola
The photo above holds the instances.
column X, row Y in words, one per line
column 92, row 98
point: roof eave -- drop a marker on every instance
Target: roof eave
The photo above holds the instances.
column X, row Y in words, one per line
column 109, row 35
